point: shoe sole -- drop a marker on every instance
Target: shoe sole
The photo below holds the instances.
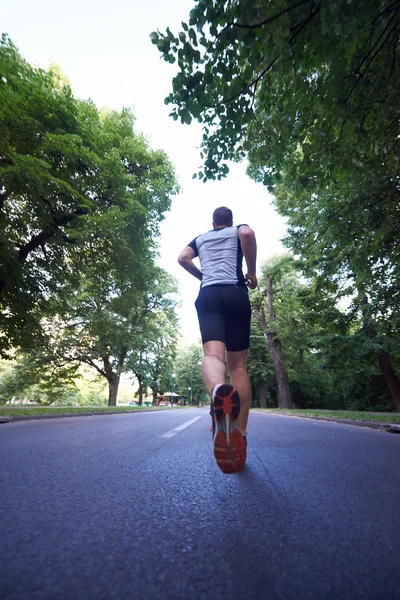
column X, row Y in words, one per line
column 230, row 448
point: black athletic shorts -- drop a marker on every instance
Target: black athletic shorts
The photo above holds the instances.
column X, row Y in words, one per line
column 224, row 315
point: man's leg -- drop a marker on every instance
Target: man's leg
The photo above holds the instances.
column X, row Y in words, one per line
column 240, row 381
column 213, row 365
column 237, row 327
column 229, row 444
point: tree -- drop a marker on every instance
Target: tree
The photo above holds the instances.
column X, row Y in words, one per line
column 264, row 311
column 161, row 357
column 285, row 68
column 113, row 328
column 107, row 333
column 309, row 90
column 82, row 199
column 189, row 381
column 260, row 369
column 328, row 358
column 46, row 168
column 29, row 378
column 67, row 171
column 153, row 363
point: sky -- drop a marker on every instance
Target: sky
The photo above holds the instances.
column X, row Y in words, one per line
column 105, row 51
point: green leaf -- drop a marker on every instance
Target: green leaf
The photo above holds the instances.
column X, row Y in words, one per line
column 192, row 36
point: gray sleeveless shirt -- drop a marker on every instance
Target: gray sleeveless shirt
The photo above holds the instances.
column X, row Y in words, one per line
column 221, row 256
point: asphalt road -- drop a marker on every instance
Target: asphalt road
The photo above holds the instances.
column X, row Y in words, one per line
column 133, row 507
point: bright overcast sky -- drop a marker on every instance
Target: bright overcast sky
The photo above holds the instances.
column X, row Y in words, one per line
column 105, row 51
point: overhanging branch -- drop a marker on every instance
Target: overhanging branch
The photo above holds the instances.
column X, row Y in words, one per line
column 41, row 238
column 270, row 19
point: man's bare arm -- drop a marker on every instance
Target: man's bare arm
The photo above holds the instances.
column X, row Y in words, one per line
column 249, row 247
column 185, row 259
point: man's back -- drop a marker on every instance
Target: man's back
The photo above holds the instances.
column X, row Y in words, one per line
column 221, row 256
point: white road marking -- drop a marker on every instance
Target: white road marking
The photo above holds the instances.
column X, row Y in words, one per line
column 173, row 432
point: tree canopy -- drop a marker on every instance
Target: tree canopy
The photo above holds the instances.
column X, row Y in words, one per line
column 308, row 91
column 329, row 358
column 82, row 196
column 294, row 71
column 71, row 177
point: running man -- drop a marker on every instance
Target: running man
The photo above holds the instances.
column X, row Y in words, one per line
column 224, row 313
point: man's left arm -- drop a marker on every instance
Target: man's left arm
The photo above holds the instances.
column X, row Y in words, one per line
column 249, row 247
column 185, row 259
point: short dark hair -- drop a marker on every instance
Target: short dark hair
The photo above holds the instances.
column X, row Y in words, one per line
column 222, row 216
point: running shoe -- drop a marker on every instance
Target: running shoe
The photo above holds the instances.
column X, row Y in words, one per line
column 230, row 447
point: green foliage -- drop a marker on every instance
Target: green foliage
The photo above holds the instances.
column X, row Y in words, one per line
column 188, row 374
column 309, row 92
column 29, row 379
column 289, row 69
column 82, row 196
column 259, row 365
column 331, row 362
column 70, row 177
column 114, row 327
column 153, row 360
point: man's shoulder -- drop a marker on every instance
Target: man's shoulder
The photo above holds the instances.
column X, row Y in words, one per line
column 209, row 233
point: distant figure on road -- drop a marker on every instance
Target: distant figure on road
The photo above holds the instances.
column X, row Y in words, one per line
column 224, row 313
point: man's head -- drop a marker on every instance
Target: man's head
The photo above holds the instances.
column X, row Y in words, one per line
column 222, row 217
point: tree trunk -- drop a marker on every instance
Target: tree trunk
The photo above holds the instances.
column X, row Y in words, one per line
column 154, row 398
column 113, row 382
column 262, row 394
column 140, row 390
column 285, row 399
column 113, row 385
column 274, row 345
column 274, row 398
column 384, row 360
column 392, row 381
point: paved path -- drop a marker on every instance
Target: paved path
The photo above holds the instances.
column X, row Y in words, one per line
column 134, row 507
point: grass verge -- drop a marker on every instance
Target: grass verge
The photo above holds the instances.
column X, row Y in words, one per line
column 73, row 410
column 349, row 415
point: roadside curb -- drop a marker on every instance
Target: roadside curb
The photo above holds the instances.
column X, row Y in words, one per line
column 71, row 415
column 386, row 427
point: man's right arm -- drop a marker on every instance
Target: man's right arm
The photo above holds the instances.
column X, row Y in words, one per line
column 249, row 246
column 185, row 259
